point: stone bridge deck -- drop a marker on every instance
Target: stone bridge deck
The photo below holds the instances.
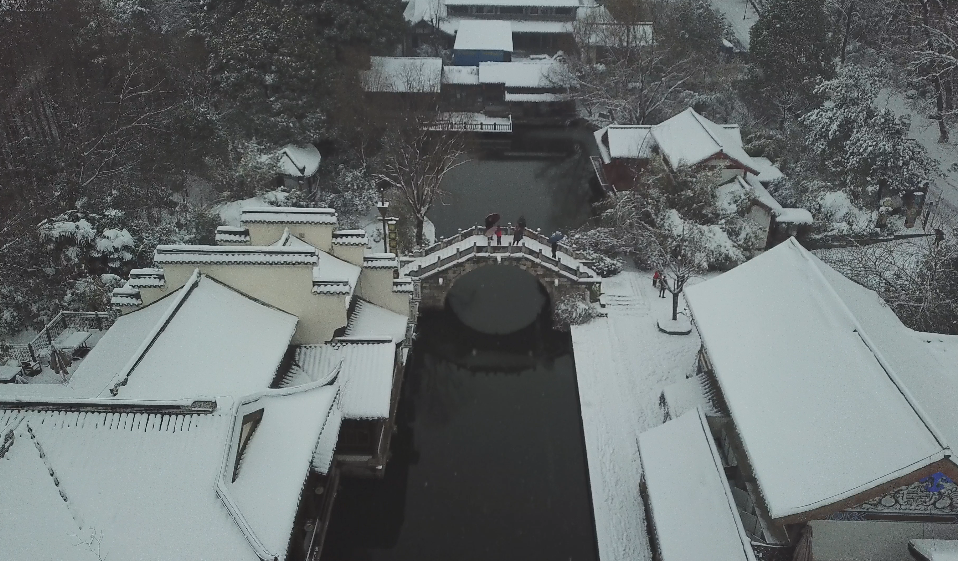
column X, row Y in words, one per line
column 472, row 244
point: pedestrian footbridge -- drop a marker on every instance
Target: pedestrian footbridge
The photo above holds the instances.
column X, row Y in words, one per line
column 437, row 267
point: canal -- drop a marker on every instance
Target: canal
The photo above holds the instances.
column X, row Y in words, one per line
column 489, row 459
column 542, row 173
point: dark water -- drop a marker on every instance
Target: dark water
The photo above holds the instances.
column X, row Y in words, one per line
column 544, row 174
column 488, row 462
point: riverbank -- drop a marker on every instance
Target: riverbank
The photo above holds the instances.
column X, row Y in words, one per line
column 622, row 364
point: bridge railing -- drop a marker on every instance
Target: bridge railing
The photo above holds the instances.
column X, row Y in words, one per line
column 494, row 250
column 507, row 232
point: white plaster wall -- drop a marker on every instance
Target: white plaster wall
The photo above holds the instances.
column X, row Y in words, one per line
column 376, row 286
column 150, row 294
column 730, row 174
column 286, row 287
column 350, row 253
column 319, row 236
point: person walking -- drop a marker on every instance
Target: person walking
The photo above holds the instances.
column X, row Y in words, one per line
column 655, row 278
column 498, row 235
column 554, row 239
column 663, row 286
column 517, row 236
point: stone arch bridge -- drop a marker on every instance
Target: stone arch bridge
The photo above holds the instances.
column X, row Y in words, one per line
column 439, row 266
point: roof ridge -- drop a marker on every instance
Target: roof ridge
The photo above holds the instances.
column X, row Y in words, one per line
column 698, row 119
column 124, row 374
column 879, row 356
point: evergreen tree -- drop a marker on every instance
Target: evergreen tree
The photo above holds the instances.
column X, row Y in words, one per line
column 793, row 47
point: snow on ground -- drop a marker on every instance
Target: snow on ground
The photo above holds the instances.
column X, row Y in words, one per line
column 230, row 212
column 925, row 131
column 622, row 364
column 741, row 16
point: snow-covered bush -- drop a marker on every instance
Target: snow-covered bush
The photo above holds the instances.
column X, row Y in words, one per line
column 605, row 266
column 572, row 309
column 116, row 246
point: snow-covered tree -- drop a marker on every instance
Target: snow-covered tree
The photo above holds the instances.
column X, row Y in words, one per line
column 793, row 47
column 866, row 148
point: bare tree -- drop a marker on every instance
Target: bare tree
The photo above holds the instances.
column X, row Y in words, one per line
column 679, row 257
column 414, row 162
column 622, row 71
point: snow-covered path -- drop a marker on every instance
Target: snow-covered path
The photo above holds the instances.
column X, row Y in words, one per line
column 740, row 14
column 622, row 364
column 944, row 190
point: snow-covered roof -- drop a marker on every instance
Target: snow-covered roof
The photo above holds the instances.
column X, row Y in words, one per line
column 326, row 446
column 688, row 139
column 534, row 97
column 521, row 74
column 370, row 320
column 380, row 261
column 484, row 35
column 760, row 194
column 233, row 255
column 600, row 143
column 332, row 269
column 630, row 141
column 212, row 340
column 155, row 478
column 460, row 75
column 232, row 234
column 350, row 237
column 287, row 215
column 540, row 3
column 693, row 511
column 794, row 216
column 935, row 550
column 767, row 171
column 830, row 393
column 146, row 278
column 365, row 372
column 688, row 394
column 403, row 75
column 297, row 161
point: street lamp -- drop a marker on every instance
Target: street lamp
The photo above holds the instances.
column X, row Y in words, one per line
column 383, row 208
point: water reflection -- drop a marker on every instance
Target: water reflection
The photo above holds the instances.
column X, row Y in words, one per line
column 488, row 462
column 497, row 299
column 544, row 174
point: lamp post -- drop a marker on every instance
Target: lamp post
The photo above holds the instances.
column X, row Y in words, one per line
column 383, row 208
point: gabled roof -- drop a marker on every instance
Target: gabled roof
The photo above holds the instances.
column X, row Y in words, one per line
column 403, row 75
column 692, row 507
column 484, row 34
column 295, row 161
column 688, row 139
column 145, row 481
column 832, row 396
column 212, row 341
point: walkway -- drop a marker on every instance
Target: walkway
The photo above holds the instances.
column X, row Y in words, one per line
column 622, row 364
column 472, row 243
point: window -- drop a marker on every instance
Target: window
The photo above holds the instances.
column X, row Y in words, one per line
column 458, row 10
column 511, row 10
column 563, row 11
column 250, row 422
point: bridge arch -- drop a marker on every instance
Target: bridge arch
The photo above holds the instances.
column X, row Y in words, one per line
column 439, row 266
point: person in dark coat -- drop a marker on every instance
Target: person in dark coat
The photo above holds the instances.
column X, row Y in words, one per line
column 517, row 236
column 498, row 235
column 554, row 239
column 663, row 286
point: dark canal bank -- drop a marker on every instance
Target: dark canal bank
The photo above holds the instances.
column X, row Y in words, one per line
column 543, row 173
column 489, row 459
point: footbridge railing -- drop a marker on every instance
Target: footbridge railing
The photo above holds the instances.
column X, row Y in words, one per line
column 575, row 274
column 507, row 232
